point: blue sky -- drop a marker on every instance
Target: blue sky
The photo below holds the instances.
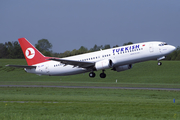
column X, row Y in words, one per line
column 70, row 24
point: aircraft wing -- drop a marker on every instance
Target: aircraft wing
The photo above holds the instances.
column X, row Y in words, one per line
column 82, row 64
column 21, row 66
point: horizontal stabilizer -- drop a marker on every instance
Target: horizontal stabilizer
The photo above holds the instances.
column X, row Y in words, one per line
column 21, row 66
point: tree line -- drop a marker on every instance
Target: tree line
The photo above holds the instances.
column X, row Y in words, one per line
column 12, row 50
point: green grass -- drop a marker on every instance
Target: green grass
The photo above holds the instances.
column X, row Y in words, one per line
column 58, row 103
column 27, row 103
column 145, row 74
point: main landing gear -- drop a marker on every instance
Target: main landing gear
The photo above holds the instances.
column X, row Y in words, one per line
column 159, row 63
column 102, row 75
column 92, row 74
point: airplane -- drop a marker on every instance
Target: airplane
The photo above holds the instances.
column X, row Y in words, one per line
column 117, row 59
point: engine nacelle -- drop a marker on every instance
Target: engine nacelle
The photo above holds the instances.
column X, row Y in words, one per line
column 122, row 68
column 104, row 64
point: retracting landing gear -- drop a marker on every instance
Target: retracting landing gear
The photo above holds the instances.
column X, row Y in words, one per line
column 92, row 74
column 103, row 75
column 159, row 63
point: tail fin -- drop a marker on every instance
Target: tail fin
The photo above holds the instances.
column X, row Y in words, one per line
column 32, row 55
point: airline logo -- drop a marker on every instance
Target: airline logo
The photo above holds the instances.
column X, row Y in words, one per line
column 30, row 53
column 123, row 49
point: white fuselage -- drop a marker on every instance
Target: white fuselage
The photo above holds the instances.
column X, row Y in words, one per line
column 119, row 56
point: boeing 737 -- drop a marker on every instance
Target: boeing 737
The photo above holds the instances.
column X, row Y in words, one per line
column 117, row 59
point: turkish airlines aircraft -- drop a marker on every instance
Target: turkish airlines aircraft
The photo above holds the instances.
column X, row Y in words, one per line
column 118, row 59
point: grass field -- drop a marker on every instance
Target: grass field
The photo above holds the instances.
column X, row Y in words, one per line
column 86, row 104
column 98, row 104
column 146, row 74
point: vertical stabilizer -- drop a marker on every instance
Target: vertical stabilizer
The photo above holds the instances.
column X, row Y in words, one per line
column 32, row 55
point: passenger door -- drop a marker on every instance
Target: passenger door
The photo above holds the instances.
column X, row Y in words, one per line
column 151, row 48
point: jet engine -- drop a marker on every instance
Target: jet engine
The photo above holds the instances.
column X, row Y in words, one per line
column 104, row 64
column 122, row 68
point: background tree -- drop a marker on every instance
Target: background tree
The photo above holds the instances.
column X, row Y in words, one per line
column 175, row 55
column 74, row 52
column 67, row 53
column 14, row 50
column 82, row 50
column 9, row 47
column 17, row 50
column 95, row 48
column 3, row 51
column 115, row 46
column 107, row 46
column 129, row 43
column 44, row 46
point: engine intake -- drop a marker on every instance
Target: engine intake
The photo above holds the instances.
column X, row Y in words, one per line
column 104, row 64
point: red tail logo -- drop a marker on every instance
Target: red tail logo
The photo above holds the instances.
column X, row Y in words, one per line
column 32, row 55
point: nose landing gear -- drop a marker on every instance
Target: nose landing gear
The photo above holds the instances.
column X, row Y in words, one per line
column 159, row 63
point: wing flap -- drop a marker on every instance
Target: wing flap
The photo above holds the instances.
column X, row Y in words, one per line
column 75, row 63
column 22, row 66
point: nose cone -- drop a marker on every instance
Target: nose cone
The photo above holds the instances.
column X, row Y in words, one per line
column 172, row 48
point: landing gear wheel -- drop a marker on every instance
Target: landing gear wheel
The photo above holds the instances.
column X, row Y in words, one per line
column 159, row 63
column 102, row 75
column 92, row 74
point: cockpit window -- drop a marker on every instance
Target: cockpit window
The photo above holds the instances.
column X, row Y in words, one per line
column 162, row 44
